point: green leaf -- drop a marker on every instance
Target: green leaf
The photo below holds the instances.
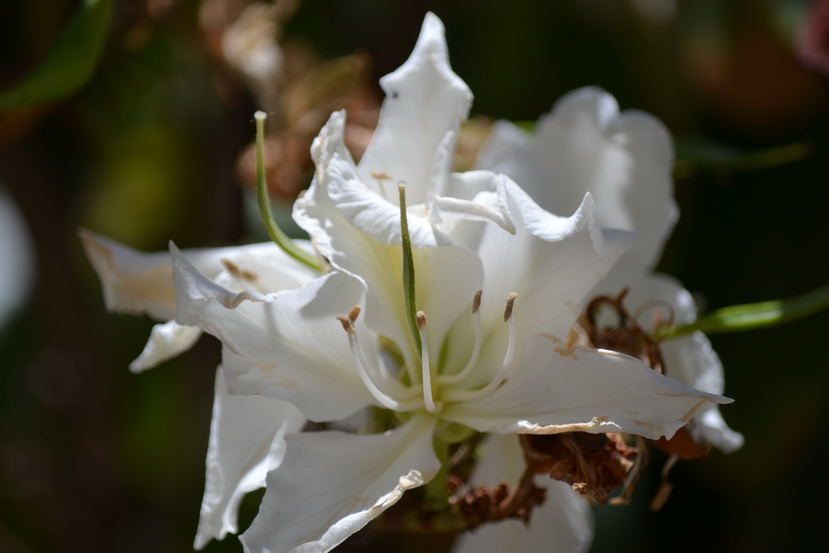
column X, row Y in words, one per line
column 694, row 154
column 749, row 316
column 70, row 61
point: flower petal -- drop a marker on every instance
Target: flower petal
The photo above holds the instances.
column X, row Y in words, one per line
column 138, row 282
column 692, row 356
column 360, row 233
column 246, row 442
column 551, row 262
column 287, row 345
column 166, row 341
column 562, row 524
column 424, row 102
column 555, row 390
column 688, row 359
column 331, row 484
column 586, row 145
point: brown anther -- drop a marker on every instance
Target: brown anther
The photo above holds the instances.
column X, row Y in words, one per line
column 354, row 313
column 347, row 326
column 234, row 270
column 508, row 306
column 379, row 175
column 476, row 302
column 421, row 320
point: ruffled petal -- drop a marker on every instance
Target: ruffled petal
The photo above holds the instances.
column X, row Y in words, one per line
column 425, row 102
column 331, row 484
column 246, row 442
column 550, row 262
column 291, row 344
column 555, row 390
column 360, row 233
column 586, row 145
column 142, row 283
column 563, row 524
column 166, row 341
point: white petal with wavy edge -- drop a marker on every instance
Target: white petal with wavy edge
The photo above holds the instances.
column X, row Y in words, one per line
column 360, row 233
column 424, row 102
column 331, row 484
column 586, row 145
column 246, row 442
column 553, row 390
column 138, row 282
column 562, row 524
column 550, row 262
column 293, row 347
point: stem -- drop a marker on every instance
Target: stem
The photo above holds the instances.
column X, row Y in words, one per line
column 276, row 233
column 749, row 316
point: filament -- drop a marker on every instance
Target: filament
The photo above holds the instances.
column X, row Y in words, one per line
column 500, row 378
column 476, row 349
column 426, row 371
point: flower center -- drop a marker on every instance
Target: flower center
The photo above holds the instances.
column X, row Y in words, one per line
column 435, row 388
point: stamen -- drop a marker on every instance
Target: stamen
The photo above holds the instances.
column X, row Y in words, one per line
column 244, row 278
column 508, row 305
column 385, row 399
column 500, row 378
column 426, row 372
column 476, row 349
column 354, row 313
column 381, row 177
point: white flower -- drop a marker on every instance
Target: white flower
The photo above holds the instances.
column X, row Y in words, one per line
column 474, row 342
column 624, row 160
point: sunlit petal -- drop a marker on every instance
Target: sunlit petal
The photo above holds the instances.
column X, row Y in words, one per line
column 246, row 442
column 293, row 347
column 331, row 484
column 556, row 390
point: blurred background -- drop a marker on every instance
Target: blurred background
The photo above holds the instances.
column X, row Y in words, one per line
column 145, row 137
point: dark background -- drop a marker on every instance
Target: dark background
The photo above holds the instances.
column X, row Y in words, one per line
column 93, row 458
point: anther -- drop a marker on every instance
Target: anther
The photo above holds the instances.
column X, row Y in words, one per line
column 508, row 305
column 354, row 313
column 383, row 397
column 347, row 326
column 476, row 302
column 421, row 320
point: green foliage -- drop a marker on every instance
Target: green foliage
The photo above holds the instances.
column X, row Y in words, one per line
column 70, row 61
column 739, row 318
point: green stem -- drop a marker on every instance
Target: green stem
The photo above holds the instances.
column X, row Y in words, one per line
column 749, row 316
column 276, row 233
column 408, row 272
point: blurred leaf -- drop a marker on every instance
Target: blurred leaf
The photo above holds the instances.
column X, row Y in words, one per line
column 694, row 154
column 70, row 61
column 749, row 316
